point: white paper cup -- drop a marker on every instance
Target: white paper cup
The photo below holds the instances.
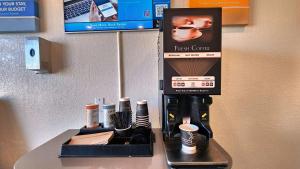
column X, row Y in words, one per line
column 189, row 138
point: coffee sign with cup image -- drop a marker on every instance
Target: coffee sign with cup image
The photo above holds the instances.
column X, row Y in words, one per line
column 187, row 28
column 192, row 51
column 185, row 33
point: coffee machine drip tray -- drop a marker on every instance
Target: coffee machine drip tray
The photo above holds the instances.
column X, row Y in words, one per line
column 213, row 157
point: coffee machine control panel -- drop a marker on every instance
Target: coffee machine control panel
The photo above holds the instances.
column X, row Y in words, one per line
column 182, row 82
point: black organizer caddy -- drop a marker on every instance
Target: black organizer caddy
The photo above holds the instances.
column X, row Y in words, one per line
column 115, row 148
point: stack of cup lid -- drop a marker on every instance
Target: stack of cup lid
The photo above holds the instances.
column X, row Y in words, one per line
column 142, row 115
column 125, row 107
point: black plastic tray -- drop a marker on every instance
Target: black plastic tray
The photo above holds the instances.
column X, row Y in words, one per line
column 116, row 147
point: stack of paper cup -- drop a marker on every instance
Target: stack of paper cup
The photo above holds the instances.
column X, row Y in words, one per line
column 142, row 115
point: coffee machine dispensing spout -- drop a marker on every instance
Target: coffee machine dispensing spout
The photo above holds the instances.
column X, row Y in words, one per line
column 180, row 109
column 199, row 112
column 176, row 110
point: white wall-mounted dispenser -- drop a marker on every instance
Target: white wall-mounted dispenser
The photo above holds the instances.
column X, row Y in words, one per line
column 37, row 55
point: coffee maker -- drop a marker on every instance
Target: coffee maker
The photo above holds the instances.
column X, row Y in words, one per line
column 194, row 109
column 187, row 83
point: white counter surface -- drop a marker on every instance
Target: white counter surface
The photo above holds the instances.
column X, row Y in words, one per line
column 46, row 157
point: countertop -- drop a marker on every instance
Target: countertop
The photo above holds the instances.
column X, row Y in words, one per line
column 46, row 157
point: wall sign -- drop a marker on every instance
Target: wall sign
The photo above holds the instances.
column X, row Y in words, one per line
column 19, row 16
column 192, row 51
column 234, row 12
column 112, row 15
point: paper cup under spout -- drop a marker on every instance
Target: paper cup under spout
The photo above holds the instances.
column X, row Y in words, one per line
column 189, row 138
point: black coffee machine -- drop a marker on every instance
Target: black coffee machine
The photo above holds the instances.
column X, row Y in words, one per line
column 194, row 109
column 186, row 82
column 178, row 109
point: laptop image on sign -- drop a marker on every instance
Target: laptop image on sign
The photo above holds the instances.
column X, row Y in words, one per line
column 77, row 10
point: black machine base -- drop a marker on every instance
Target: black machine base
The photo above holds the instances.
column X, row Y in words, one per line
column 214, row 157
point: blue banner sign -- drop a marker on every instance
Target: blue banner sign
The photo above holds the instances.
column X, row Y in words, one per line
column 18, row 8
column 110, row 15
column 19, row 16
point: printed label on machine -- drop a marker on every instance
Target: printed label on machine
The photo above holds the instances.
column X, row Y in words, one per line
column 193, row 55
column 193, row 82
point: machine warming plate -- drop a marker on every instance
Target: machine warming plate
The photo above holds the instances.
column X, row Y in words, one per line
column 214, row 157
